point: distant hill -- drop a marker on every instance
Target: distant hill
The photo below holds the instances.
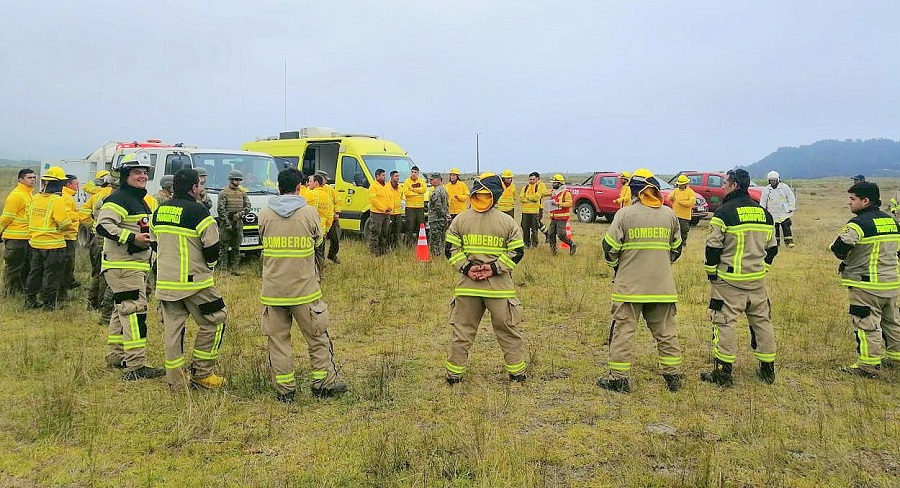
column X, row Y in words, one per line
column 24, row 163
column 873, row 157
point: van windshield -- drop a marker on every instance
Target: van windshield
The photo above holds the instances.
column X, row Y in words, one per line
column 260, row 172
column 388, row 164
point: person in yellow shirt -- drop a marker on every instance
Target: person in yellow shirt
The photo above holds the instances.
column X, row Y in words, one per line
column 682, row 200
column 458, row 193
column 507, row 203
column 93, row 186
column 70, row 189
column 396, row 229
column 414, row 189
column 381, row 203
column 624, row 199
column 47, row 223
column 14, row 233
column 97, row 285
column 324, row 205
column 334, row 234
column 532, row 197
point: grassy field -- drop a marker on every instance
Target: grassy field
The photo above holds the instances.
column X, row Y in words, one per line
column 68, row 420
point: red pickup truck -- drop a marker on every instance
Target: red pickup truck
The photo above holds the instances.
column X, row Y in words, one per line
column 709, row 185
column 595, row 196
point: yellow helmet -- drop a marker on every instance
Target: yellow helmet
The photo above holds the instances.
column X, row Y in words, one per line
column 682, row 180
column 102, row 173
column 54, row 173
column 643, row 176
column 558, row 178
column 506, row 174
column 625, row 174
column 454, row 171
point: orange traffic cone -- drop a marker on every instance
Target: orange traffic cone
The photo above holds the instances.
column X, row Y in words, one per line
column 568, row 234
column 422, row 253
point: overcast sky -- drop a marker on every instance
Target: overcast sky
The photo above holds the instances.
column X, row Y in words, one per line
column 550, row 86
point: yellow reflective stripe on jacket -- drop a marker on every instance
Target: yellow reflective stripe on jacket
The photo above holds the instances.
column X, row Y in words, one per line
column 734, row 229
column 879, row 239
column 483, row 293
column 175, row 230
column 639, row 245
column 115, row 208
column 718, row 222
column 515, row 244
column 452, row 239
column 676, row 244
column 184, row 285
column 207, row 222
column 291, row 301
column 288, row 253
column 503, row 258
column 459, row 256
column 138, row 265
column 483, row 250
column 184, row 258
column 133, row 219
column 856, row 228
column 868, row 285
column 621, row 297
column 123, row 236
column 873, row 262
column 616, row 246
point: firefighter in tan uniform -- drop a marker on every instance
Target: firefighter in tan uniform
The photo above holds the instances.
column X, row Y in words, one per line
column 124, row 222
column 642, row 242
column 867, row 247
column 485, row 246
column 97, row 285
column 740, row 248
column 290, row 230
column 188, row 244
column 233, row 205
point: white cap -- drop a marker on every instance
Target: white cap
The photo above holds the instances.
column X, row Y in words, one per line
column 773, row 175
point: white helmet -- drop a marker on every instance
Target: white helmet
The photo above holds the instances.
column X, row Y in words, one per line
column 773, row 175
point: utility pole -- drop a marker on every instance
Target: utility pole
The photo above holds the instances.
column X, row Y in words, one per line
column 285, row 94
column 477, row 157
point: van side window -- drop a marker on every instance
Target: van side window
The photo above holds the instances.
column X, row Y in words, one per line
column 175, row 162
column 352, row 172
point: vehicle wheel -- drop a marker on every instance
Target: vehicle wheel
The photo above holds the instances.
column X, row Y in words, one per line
column 585, row 212
column 695, row 221
column 609, row 217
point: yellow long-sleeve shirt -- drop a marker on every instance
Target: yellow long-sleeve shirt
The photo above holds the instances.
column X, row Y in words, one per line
column 381, row 200
column 48, row 222
column 414, row 192
column 335, row 196
column 507, row 200
column 682, row 202
column 624, row 199
column 325, row 207
column 68, row 196
column 397, row 198
column 532, row 197
column 14, row 220
column 87, row 210
column 458, row 194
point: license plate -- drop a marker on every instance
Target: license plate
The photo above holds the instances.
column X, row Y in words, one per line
column 250, row 241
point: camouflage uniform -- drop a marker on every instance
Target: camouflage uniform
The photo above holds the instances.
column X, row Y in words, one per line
column 438, row 215
column 233, row 206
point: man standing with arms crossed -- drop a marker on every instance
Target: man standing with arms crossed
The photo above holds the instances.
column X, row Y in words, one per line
column 124, row 222
column 682, row 200
column 867, row 248
column 290, row 230
column 414, row 193
column 642, row 242
column 188, row 243
column 740, row 248
column 485, row 246
column 14, row 232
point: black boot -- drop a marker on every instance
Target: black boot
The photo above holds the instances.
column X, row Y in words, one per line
column 453, row 380
column 619, row 385
column 518, row 378
column 336, row 390
column 285, row 397
column 766, row 372
column 673, row 381
column 31, row 302
column 720, row 375
column 572, row 248
column 143, row 373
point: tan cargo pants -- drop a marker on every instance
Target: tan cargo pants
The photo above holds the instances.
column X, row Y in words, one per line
column 726, row 305
column 127, row 338
column 313, row 321
column 875, row 324
column 465, row 317
column 208, row 309
column 660, row 319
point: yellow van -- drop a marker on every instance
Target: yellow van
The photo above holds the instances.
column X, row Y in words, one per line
column 349, row 159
